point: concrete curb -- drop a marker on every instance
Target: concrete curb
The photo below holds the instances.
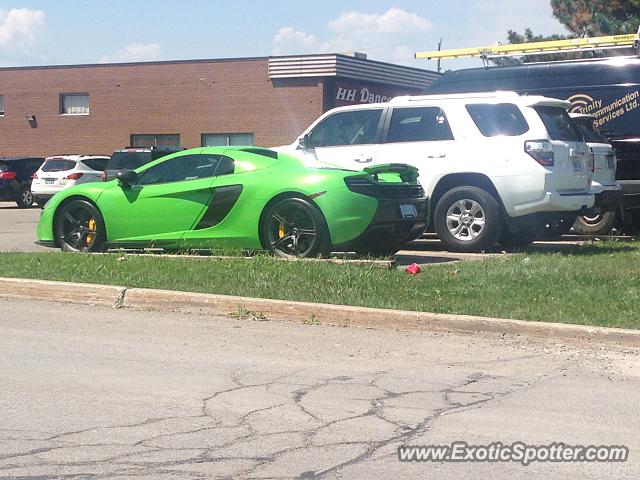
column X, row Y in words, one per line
column 303, row 312
column 107, row 295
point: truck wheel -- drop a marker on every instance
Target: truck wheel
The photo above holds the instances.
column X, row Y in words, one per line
column 599, row 223
column 468, row 219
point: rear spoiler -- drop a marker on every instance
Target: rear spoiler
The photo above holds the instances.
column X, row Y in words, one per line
column 407, row 173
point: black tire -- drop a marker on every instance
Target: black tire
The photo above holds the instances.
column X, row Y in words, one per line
column 79, row 227
column 294, row 227
column 476, row 229
column 599, row 224
column 24, row 198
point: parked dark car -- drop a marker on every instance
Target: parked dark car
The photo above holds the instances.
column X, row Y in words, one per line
column 134, row 157
column 608, row 89
column 15, row 179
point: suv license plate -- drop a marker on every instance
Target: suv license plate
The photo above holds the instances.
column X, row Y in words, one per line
column 48, row 181
column 408, row 210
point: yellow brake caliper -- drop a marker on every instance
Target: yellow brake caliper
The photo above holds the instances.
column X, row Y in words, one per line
column 281, row 231
column 92, row 226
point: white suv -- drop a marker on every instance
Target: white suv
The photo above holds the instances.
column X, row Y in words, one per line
column 64, row 171
column 497, row 166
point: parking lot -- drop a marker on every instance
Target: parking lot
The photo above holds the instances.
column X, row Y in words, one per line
column 18, row 233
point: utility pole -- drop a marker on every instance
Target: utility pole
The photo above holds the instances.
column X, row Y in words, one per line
column 439, row 48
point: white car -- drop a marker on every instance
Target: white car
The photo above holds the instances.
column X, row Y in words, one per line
column 64, row 171
column 602, row 217
column 498, row 167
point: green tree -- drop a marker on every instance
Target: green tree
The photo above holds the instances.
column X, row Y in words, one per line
column 582, row 18
column 598, row 17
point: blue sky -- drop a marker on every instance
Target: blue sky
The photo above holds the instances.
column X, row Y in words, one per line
column 67, row 32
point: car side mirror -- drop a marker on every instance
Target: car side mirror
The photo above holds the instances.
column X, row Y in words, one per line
column 303, row 142
column 126, row 177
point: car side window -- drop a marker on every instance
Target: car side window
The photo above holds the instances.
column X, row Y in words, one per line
column 98, row 164
column 179, row 169
column 357, row 127
column 35, row 164
column 501, row 119
column 418, row 124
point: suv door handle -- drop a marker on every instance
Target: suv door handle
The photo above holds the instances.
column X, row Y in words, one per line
column 363, row 159
column 442, row 155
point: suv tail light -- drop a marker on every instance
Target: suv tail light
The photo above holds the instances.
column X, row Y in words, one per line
column 541, row 151
column 74, row 176
column 105, row 176
column 7, row 175
column 35, row 175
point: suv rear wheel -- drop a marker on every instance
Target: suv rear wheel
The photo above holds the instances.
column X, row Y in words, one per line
column 468, row 219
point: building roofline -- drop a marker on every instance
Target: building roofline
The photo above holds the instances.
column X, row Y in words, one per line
column 346, row 66
column 136, row 64
column 309, row 58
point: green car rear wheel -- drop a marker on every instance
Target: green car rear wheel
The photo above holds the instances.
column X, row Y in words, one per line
column 294, row 227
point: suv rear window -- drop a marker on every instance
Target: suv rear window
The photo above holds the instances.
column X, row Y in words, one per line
column 501, row 119
column 589, row 131
column 559, row 124
column 58, row 165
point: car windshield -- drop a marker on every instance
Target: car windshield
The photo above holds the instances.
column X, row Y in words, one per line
column 130, row 160
column 559, row 124
column 58, row 165
column 589, row 131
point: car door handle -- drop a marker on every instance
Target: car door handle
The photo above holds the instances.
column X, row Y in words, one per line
column 364, row 159
column 442, row 155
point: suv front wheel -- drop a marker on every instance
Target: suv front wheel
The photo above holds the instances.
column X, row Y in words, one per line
column 468, row 219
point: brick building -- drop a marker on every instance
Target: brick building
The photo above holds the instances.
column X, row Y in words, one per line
column 261, row 101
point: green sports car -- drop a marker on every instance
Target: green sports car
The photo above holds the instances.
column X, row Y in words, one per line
column 245, row 198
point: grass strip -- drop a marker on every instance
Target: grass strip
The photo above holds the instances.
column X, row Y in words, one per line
column 597, row 284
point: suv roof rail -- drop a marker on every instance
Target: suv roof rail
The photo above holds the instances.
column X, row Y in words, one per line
column 454, row 96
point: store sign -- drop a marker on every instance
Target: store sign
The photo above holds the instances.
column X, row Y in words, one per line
column 349, row 94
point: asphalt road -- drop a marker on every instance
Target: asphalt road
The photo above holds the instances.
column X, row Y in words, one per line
column 90, row 392
column 18, row 228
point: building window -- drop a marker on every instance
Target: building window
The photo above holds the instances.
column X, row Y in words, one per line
column 227, row 139
column 74, row 104
column 155, row 140
column 1, row 105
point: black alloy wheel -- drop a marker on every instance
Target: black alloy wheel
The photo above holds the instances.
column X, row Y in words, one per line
column 79, row 227
column 294, row 227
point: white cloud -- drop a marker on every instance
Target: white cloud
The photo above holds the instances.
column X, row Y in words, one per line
column 134, row 52
column 394, row 20
column 383, row 36
column 289, row 40
column 20, row 26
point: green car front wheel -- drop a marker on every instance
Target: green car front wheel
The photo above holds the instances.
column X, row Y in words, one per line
column 79, row 227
